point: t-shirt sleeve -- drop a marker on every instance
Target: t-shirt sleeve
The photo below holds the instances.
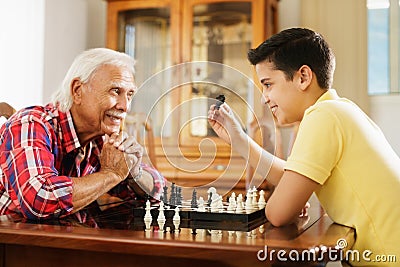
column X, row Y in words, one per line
column 318, row 145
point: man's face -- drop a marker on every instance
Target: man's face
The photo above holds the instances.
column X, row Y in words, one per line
column 281, row 95
column 106, row 98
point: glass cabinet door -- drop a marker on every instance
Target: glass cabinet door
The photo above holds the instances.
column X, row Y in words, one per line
column 188, row 52
column 220, row 33
column 149, row 32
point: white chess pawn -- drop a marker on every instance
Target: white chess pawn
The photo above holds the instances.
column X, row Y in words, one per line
column 239, row 204
column 261, row 200
column 231, row 207
column 233, row 197
column 254, row 198
column 220, row 204
column 147, row 216
column 176, row 220
column 214, row 203
column 161, row 216
column 201, row 207
column 249, row 201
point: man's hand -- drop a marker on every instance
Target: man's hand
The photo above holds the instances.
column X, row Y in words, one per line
column 121, row 154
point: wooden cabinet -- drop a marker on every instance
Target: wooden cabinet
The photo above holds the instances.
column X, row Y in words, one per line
column 188, row 52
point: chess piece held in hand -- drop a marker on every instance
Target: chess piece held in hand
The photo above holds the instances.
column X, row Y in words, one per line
column 220, row 101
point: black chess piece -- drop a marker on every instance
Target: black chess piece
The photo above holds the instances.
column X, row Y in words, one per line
column 220, row 101
column 179, row 197
column 172, row 197
column 209, row 200
column 193, row 203
column 165, row 194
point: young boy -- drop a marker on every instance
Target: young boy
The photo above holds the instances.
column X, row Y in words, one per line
column 339, row 153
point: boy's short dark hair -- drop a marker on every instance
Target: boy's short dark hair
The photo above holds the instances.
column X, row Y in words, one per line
column 290, row 49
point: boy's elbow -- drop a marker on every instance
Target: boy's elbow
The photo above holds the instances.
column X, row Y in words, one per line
column 276, row 218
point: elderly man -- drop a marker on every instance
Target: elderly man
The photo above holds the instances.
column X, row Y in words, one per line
column 57, row 160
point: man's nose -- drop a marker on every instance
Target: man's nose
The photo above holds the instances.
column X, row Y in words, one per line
column 123, row 103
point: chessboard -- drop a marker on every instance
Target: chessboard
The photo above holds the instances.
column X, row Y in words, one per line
column 238, row 214
column 194, row 219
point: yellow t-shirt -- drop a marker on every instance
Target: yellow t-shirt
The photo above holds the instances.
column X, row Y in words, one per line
column 339, row 147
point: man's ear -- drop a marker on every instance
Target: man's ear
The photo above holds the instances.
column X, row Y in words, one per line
column 76, row 90
column 306, row 76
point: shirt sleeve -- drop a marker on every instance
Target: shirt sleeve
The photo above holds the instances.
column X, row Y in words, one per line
column 318, row 146
column 124, row 191
column 30, row 176
column 159, row 181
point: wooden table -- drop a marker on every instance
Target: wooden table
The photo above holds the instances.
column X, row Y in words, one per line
column 26, row 244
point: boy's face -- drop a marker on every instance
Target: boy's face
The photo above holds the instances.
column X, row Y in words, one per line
column 284, row 97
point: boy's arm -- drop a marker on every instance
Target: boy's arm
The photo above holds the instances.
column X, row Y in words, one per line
column 289, row 198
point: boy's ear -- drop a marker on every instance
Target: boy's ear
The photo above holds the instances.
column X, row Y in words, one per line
column 76, row 90
column 306, row 76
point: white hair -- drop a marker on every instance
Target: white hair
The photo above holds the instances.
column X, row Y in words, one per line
column 84, row 65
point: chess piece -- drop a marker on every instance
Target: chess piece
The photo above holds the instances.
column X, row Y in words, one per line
column 261, row 200
column 249, row 201
column 254, row 198
column 147, row 216
column 239, row 204
column 176, row 220
column 161, row 217
column 214, row 203
column 193, row 203
column 179, row 197
column 211, row 191
column 172, row 197
column 220, row 204
column 231, row 207
column 165, row 194
column 220, row 101
column 233, row 199
column 201, row 207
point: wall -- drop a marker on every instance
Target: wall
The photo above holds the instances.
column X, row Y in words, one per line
column 71, row 26
column 385, row 111
column 39, row 40
column 21, row 52
column 343, row 24
column 347, row 37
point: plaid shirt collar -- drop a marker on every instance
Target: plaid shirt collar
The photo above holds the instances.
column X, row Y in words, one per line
column 69, row 140
column 68, row 135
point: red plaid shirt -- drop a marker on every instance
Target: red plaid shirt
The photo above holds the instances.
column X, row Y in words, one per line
column 39, row 152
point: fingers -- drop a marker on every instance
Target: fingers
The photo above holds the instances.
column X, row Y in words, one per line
column 219, row 114
column 122, row 142
column 112, row 138
column 132, row 148
column 211, row 112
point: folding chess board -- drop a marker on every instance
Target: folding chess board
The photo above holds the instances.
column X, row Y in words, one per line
column 191, row 218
